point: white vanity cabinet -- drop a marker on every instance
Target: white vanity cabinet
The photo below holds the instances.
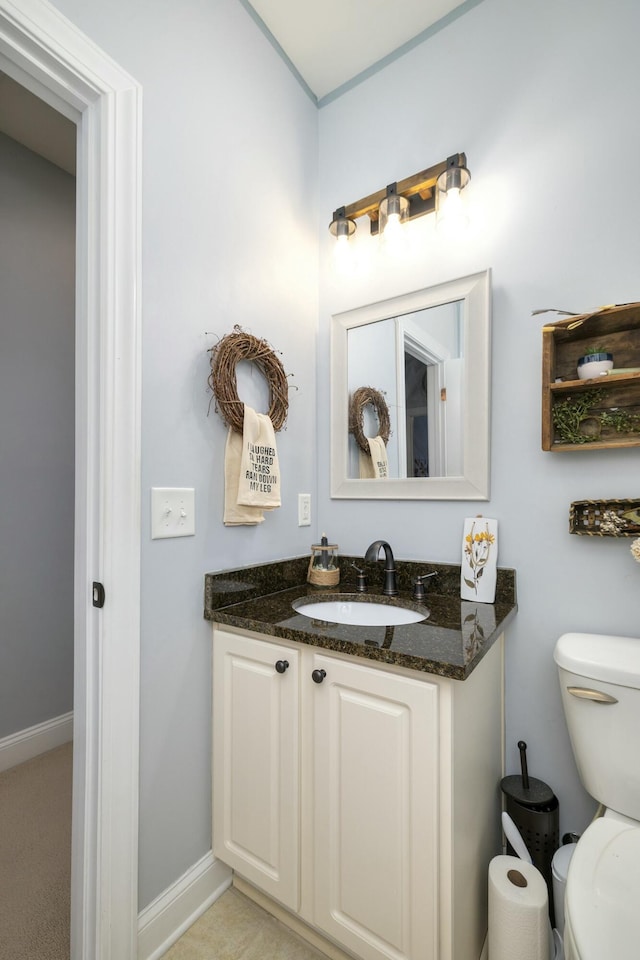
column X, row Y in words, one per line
column 362, row 797
column 373, row 810
column 256, row 767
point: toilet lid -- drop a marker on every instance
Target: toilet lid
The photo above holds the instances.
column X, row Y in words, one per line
column 603, row 891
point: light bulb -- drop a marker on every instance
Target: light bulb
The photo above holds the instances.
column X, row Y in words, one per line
column 453, row 200
column 452, row 216
column 451, row 204
column 394, row 210
column 393, row 229
column 342, row 253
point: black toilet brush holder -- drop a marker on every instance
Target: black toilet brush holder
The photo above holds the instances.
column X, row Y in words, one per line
column 534, row 808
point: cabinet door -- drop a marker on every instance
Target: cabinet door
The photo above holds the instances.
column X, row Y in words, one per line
column 255, row 763
column 375, row 807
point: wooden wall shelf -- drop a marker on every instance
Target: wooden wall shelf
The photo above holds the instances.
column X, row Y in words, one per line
column 611, row 418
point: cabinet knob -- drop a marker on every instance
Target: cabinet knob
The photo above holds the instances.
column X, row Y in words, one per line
column 282, row 665
column 318, row 676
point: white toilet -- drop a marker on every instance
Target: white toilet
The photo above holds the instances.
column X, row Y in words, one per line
column 600, row 681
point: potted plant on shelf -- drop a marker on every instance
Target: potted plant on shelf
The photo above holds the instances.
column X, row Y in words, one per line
column 594, row 362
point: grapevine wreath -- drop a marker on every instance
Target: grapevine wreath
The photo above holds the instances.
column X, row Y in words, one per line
column 225, row 356
column 359, row 399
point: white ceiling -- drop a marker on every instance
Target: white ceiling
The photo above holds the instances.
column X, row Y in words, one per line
column 333, row 41
column 329, row 43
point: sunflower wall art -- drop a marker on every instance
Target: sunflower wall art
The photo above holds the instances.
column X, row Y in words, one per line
column 479, row 560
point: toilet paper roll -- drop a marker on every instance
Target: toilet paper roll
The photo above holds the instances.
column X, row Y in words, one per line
column 518, row 911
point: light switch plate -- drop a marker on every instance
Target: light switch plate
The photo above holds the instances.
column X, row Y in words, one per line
column 304, row 509
column 172, row 512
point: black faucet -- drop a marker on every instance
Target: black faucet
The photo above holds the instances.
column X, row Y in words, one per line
column 390, row 588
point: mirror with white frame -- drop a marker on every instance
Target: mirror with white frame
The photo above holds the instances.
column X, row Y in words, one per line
column 428, row 354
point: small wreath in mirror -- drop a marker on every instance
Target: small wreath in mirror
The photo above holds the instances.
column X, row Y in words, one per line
column 225, row 356
column 359, row 399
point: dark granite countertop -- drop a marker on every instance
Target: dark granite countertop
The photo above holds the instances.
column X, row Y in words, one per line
column 449, row 642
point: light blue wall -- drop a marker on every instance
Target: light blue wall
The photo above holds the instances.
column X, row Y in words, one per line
column 229, row 237
column 542, row 99
column 37, row 331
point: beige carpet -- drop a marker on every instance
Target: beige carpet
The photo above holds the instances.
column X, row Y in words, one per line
column 235, row 928
column 35, row 857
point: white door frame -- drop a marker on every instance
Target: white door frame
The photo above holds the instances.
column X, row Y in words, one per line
column 432, row 354
column 45, row 53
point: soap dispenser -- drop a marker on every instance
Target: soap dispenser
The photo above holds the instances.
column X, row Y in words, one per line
column 323, row 566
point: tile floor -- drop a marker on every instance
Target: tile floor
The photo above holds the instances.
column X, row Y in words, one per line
column 235, row 928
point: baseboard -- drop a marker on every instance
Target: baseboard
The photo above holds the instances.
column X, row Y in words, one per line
column 30, row 743
column 169, row 915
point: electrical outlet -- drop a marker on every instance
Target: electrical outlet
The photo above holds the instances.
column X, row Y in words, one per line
column 172, row 512
column 304, row 509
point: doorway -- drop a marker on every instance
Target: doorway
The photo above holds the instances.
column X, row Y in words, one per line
column 46, row 54
column 37, row 377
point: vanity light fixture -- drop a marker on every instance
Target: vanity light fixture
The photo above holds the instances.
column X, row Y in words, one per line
column 437, row 188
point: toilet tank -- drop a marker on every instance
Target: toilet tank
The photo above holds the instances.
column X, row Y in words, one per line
column 600, row 683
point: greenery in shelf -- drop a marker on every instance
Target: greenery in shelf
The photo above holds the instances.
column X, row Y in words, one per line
column 570, row 414
column 621, row 421
column 599, row 348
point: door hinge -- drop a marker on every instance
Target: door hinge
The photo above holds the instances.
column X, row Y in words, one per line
column 97, row 592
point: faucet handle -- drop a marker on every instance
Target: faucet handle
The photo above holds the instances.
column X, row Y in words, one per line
column 361, row 579
column 418, row 586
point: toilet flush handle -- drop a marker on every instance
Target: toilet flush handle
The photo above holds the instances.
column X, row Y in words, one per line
column 584, row 693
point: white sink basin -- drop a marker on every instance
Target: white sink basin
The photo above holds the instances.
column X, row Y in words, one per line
column 360, row 614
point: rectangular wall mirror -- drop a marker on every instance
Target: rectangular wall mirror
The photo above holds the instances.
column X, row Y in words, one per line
column 425, row 358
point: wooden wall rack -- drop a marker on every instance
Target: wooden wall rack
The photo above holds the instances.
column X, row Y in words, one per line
column 613, row 416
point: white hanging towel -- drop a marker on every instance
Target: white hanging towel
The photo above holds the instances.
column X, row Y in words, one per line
column 376, row 465
column 259, row 484
column 236, row 515
column 365, row 465
column 378, row 450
